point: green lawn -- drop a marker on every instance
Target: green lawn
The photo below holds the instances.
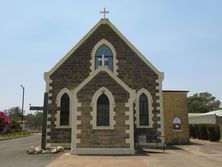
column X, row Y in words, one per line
column 14, row 135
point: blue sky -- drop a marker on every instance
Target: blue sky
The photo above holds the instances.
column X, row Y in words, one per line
column 181, row 38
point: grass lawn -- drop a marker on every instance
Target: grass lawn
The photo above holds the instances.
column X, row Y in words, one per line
column 14, row 135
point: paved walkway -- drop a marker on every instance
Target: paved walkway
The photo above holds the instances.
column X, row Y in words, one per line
column 198, row 154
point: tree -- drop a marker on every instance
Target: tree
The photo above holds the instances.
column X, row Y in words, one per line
column 202, row 103
column 4, row 122
column 30, row 120
column 14, row 113
column 34, row 120
column 15, row 126
column 38, row 119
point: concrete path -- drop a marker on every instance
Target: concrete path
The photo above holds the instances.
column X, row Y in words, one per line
column 198, row 154
column 13, row 153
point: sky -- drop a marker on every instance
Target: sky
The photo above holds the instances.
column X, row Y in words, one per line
column 182, row 38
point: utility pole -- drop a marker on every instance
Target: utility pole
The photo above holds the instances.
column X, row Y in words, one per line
column 23, row 94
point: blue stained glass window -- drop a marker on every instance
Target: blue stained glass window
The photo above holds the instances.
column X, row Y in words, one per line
column 106, row 51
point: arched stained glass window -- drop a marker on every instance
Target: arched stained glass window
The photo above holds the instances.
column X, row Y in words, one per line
column 104, row 57
column 143, row 110
column 64, row 110
column 103, row 112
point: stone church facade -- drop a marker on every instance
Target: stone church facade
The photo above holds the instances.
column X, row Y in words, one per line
column 103, row 94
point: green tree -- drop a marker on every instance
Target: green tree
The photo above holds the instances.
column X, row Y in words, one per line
column 14, row 113
column 38, row 119
column 202, row 103
column 34, row 120
column 30, row 120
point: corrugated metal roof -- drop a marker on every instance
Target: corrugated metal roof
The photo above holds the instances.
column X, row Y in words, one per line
column 216, row 112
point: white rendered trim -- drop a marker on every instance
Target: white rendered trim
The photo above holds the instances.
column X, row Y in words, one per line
column 105, row 21
column 104, row 151
column 73, row 123
column 48, row 137
column 112, row 104
column 161, row 129
column 130, row 113
column 150, row 109
column 48, row 81
column 93, row 54
column 105, row 69
column 58, row 113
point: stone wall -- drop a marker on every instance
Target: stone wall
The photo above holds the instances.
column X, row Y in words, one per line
column 100, row 138
column 175, row 105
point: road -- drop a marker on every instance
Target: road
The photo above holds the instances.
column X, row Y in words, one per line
column 13, row 153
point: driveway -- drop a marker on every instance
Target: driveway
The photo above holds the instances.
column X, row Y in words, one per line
column 13, row 153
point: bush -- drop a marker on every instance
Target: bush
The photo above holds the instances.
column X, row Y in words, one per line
column 205, row 132
column 16, row 126
column 213, row 132
column 193, row 131
column 202, row 132
column 4, row 123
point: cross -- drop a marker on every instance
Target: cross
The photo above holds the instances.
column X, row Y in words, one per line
column 104, row 13
column 44, row 108
column 103, row 59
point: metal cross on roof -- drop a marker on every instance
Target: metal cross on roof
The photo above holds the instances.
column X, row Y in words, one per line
column 104, row 12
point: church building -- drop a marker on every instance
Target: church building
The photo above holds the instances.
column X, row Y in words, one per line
column 104, row 96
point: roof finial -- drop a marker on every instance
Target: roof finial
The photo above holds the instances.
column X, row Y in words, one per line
column 104, row 12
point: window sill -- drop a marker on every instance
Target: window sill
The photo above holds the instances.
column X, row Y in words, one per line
column 143, row 126
column 103, row 128
column 63, row 126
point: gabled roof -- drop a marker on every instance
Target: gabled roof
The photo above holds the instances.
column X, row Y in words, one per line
column 106, row 21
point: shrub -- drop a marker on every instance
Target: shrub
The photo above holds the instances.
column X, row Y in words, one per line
column 213, row 132
column 205, row 132
column 202, row 132
column 16, row 126
column 4, row 123
column 194, row 131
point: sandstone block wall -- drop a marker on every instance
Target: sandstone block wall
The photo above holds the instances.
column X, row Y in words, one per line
column 175, row 105
column 131, row 70
column 102, row 138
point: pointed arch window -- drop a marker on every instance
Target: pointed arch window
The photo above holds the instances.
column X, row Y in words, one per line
column 143, row 110
column 103, row 112
column 104, row 57
column 64, row 110
column 103, row 104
